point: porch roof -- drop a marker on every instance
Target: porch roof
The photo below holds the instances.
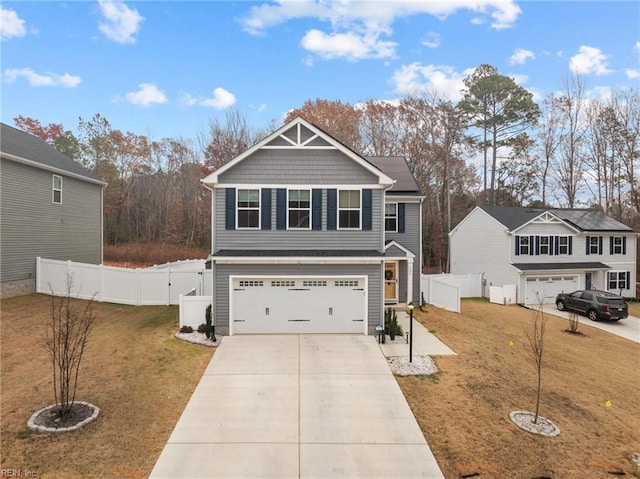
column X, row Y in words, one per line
column 583, row 266
column 328, row 253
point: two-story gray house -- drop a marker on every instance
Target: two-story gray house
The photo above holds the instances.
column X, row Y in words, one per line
column 545, row 251
column 310, row 237
column 49, row 207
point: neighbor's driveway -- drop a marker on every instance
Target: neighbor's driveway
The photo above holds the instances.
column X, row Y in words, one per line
column 297, row 406
column 628, row 328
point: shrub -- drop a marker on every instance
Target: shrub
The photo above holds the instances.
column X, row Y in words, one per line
column 186, row 329
column 202, row 328
column 391, row 325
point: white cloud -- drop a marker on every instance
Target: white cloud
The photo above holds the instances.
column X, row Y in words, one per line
column 356, row 27
column 36, row 79
column 120, row 23
column 147, row 94
column 11, row 25
column 520, row 56
column 186, row 99
column 221, row 99
column 632, row 74
column 432, row 40
column 589, row 60
column 418, row 79
column 347, row 45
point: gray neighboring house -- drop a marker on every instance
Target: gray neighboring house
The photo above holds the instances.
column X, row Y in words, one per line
column 310, row 237
column 49, row 207
column 545, row 251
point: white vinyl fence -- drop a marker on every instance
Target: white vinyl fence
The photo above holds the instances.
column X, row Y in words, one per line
column 505, row 294
column 193, row 309
column 445, row 290
column 144, row 286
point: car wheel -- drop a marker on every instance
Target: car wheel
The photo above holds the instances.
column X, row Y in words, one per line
column 593, row 315
column 560, row 305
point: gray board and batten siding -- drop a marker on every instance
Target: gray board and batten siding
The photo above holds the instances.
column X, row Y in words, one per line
column 223, row 271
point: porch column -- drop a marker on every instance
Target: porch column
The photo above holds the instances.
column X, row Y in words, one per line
column 409, row 280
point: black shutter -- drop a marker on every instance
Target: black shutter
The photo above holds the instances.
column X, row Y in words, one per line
column 531, row 245
column 600, row 245
column 556, row 241
column 281, row 209
column 401, row 207
column 624, row 245
column 570, row 248
column 537, row 245
column 230, row 209
column 629, row 280
column 611, row 245
column 517, row 245
column 367, row 200
column 316, row 209
column 551, row 245
column 588, row 240
column 332, row 207
column 266, row 208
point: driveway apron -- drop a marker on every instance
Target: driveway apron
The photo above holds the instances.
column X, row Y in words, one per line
column 297, row 406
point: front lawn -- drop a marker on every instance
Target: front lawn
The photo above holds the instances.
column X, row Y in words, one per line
column 134, row 370
column 589, row 390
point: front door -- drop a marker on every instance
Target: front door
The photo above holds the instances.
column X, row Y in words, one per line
column 390, row 281
column 587, row 281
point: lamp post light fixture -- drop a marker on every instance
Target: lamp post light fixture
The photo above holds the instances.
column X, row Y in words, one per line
column 410, row 306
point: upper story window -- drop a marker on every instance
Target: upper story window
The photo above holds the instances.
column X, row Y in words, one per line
column 594, row 245
column 524, row 245
column 349, row 209
column 563, row 245
column 248, row 208
column 299, row 203
column 391, row 217
column 618, row 245
column 544, row 245
column 57, row 189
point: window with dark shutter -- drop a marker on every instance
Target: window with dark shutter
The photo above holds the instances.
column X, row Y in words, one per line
column 281, row 209
column 266, row 208
column 316, row 209
column 332, row 208
column 367, row 201
column 230, row 209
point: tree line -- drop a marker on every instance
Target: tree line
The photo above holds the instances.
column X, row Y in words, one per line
column 495, row 146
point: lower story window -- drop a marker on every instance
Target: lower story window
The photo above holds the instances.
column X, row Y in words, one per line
column 619, row 280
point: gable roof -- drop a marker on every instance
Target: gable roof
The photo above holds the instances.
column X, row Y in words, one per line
column 24, row 148
column 398, row 169
column 299, row 133
column 582, row 219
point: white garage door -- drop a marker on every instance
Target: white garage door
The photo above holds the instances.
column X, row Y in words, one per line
column 547, row 287
column 263, row 305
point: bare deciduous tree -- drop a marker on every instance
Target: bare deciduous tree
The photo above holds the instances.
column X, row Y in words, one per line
column 535, row 337
column 65, row 340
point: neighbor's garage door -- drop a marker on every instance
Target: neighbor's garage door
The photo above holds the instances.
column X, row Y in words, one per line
column 547, row 287
column 262, row 305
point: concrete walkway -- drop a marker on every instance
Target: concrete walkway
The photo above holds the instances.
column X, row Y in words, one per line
column 424, row 342
column 297, row 406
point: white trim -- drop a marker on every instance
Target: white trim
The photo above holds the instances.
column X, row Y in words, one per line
column 382, row 178
column 395, row 299
column 399, row 246
column 237, row 208
column 52, row 169
column 297, row 260
column 298, row 228
column 384, row 217
column 54, row 189
column 546, row 217
column 360, row 210
column 297, row 186
column 391, row 198
column 364, row 278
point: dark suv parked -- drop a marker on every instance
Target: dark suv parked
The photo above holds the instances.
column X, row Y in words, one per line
column 595, row 304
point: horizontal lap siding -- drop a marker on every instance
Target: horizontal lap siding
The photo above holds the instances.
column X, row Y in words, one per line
column 32, row 225
column 222, row 273
column 297, row 166
column 297, row 239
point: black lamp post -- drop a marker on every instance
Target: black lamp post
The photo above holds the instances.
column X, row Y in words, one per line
column 410, row 332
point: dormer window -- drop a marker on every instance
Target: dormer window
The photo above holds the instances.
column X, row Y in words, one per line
column 57, row 189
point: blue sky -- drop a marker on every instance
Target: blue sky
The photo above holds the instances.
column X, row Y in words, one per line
column 165, row 68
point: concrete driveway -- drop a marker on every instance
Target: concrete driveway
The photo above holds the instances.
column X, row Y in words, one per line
column 297, row 406
column 628, row 328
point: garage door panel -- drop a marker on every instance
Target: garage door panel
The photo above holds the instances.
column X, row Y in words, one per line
column 547, row 287
column 298, row 305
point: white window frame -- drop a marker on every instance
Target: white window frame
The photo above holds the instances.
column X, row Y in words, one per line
column 389, row 217
column 564, row 246
column 309, row 209
column 358, row 209
column 524, row 249
column 247, row 208
column 56, row 190
column 617, row 244
column 547, row 246
column 620, row 277
column 594, row 247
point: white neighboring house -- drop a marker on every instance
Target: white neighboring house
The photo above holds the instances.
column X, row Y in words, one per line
column 545, row 251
